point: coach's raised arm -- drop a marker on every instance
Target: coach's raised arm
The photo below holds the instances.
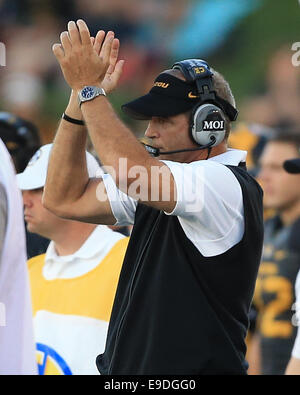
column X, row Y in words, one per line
column 91, row 69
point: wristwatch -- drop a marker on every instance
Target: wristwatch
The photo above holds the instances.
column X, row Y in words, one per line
column 89, row 93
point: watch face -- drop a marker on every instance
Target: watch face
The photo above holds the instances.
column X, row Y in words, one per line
column 87, row 92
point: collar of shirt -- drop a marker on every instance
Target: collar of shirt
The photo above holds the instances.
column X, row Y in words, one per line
column 231, row 157
column 89, row 255
column 94, row 245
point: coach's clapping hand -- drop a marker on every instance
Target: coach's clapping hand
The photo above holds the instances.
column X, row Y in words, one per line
column 85, row 60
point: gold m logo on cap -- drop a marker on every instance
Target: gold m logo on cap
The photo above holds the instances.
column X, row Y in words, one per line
column 199, row 70
column 161, row 84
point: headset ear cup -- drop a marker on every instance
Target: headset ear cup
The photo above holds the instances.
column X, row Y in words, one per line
column 208, row 123
column 192, row 124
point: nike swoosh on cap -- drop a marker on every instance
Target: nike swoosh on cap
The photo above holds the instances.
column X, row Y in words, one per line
column 192, row 96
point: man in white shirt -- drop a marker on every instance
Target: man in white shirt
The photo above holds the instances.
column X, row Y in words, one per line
column 73, row 284
column 188, row 277
column 16, row 330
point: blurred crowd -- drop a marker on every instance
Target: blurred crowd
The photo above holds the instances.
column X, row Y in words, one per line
column 153, row 34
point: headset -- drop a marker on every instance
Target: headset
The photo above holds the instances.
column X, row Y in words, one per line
column 208, row 122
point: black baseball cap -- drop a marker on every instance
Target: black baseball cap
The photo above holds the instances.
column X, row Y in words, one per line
column 292, row 166
column 170, row 96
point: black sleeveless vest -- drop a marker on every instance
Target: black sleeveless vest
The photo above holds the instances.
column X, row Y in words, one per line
column 177, row 312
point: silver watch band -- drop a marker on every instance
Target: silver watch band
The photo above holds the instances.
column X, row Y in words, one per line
column 89, row 93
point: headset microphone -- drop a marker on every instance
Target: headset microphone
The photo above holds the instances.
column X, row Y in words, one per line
column 156, row 151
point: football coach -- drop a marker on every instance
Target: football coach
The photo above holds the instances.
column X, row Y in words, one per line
column 189, row 272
